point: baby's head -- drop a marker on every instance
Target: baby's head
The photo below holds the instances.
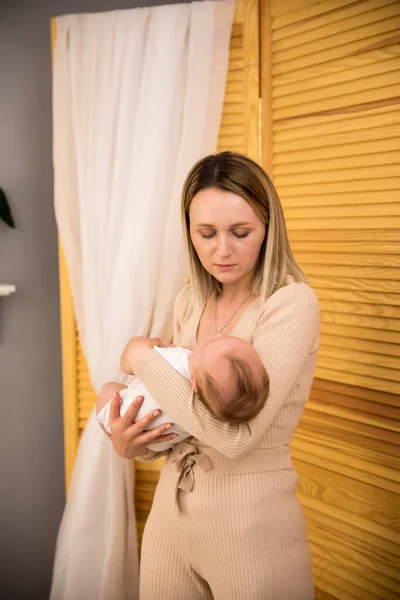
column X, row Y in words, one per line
column 229, row 378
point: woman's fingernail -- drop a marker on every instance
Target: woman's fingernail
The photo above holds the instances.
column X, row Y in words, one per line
column 174, row 435
column 139, row 399
column 168, row 426
column 157, row 413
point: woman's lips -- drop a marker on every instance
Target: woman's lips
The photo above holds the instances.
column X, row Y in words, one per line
column 225, row 267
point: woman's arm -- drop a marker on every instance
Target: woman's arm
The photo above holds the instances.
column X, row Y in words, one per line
column 130, row 440
column 286, row 333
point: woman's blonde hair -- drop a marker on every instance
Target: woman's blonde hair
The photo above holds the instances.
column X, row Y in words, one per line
column 240, row 175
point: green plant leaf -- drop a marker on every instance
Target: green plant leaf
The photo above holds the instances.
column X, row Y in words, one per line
column 5, row 211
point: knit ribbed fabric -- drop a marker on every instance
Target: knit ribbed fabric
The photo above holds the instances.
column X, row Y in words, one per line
column 228, row 526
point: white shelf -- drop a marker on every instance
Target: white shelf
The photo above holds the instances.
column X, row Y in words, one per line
column 7, row 289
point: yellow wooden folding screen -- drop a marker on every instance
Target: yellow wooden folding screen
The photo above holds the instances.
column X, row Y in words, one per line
column 331, row 124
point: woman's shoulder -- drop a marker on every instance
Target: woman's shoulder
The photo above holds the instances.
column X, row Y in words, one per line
column 296, row 295
column 291, row 312
column 297, row 290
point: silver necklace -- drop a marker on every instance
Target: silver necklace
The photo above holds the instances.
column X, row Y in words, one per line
column 225, row 325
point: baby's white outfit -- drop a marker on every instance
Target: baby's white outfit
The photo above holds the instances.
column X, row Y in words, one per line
column 178, row 358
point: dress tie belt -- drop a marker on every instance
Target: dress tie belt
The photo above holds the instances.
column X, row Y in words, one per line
column 187, row 455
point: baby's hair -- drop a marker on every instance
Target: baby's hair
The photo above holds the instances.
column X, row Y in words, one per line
column 245, row 403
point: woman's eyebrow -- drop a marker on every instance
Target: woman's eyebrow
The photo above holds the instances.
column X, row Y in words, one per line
column 241, row 224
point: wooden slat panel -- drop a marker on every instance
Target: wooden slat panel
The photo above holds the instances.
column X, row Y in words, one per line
column 338, row 187
column 365, row 247
column 335, row 47
column 360, row 499
column 387, row 327
column 355, row 361
column 340, row 283
column 321, row 595
column 282, row 29
column 381, row 156
column 364, row 17
column 385, row 139
column 365, row 443
column 370, row 58
column 345, row 467
column 389, row 376
column 356, row 575
column 287, row 12
column 375, row 310
column 342, row 175
column 381, row 304
column 351, row 535
column 368, row 71
column 355, row 198
column 347, row 258
column 381, row 339
column 86, row 396
column 352, row 379
column 231, row 119
column 343, row 393
column 370, row 272
column 335, row 161
column 323, row 211
column 353, row 118
column 345, row 459
column 333, row 338
column 384, row 236
column 364, row 32
column 344, row 223
column 360, row 411
column 351, row 548
column 336, row 103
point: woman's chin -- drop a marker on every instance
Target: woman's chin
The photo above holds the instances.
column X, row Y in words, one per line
column 226, row 277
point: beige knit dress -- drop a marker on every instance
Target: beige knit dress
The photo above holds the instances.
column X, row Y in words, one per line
column 225, row 523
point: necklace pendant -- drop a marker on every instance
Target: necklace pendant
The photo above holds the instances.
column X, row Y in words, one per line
column 229, row 320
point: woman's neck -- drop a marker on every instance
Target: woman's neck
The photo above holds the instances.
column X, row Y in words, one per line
column 235, row 292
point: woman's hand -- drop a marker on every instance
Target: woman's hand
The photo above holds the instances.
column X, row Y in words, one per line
column 131, row 439
column 134, row 351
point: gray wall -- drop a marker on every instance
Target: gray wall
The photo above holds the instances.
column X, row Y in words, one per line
column 31, row 429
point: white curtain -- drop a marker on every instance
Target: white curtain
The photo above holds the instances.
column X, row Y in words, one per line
column 137, row 99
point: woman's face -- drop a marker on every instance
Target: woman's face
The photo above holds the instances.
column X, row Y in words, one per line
column 226, row 234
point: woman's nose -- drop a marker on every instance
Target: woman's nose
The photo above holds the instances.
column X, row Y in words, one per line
column 223, row 248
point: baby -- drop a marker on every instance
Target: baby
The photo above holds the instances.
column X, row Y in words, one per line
column 226, row 373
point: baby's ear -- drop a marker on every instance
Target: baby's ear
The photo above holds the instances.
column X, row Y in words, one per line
column 194, row 385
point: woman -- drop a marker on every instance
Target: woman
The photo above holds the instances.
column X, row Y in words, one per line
column 225, row 522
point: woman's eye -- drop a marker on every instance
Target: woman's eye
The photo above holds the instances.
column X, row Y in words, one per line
column 240, row 235
column 207, row 236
